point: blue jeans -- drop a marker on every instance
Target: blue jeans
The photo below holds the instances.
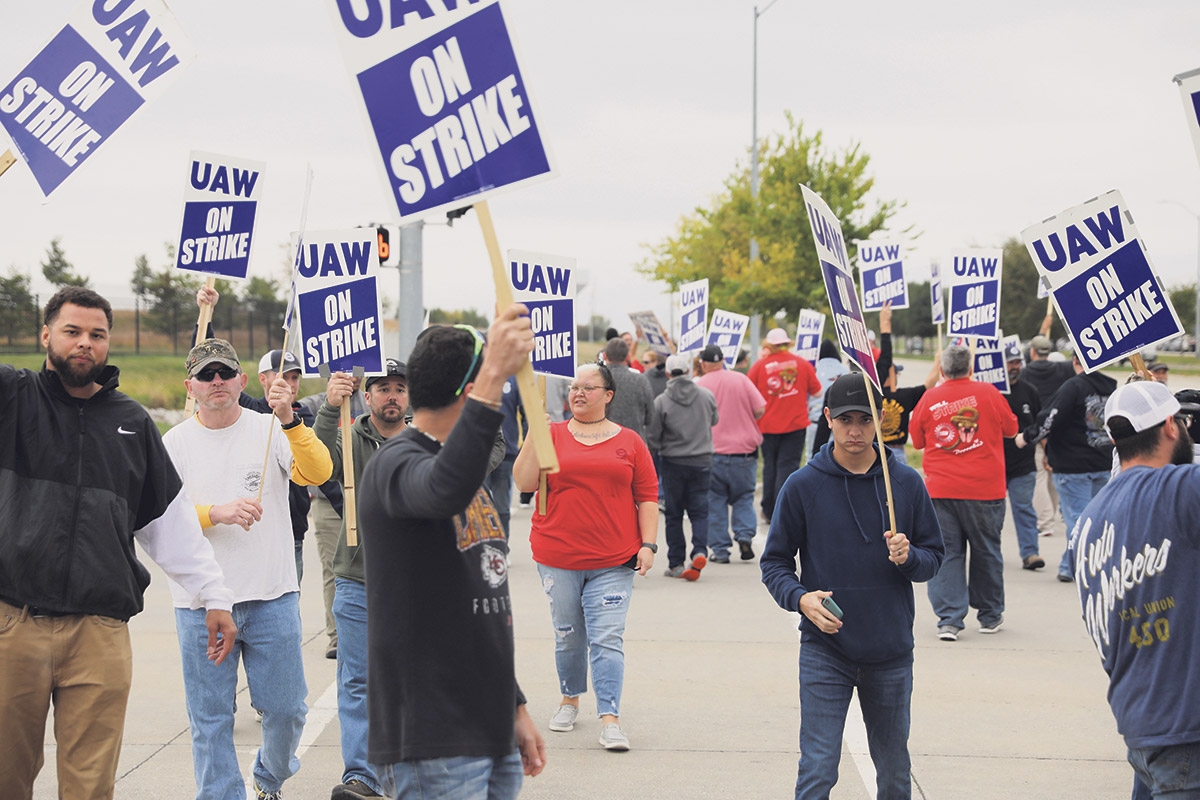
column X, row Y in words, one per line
column 973, row 524
column 1170, row 773
column 1075, row 491
column 454, row 778
column 1020, row 502
column 588, row 610
column 781, row 457
column 268, row 642
column 827, row 682
column 350, row 612
column 687, row 490
column 731, row 486
column 500, row 483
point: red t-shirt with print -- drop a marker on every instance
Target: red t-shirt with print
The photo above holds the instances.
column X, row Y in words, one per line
column 591, row 507
column 961, row 425
column 786, row 381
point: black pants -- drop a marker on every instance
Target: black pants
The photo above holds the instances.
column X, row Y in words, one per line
column 781, row 457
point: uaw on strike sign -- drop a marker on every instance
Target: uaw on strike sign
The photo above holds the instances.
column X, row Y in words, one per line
column 444, row 97
column 1107, row 294
column 546, row 285
column 220, row 200
column 109, row 60
column 339, row 303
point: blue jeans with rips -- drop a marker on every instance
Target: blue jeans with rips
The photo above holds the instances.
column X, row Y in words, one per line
column 588, row 609
column 1075, row 491
column 1166, row 773
column 687, row 490
column 827, row 681
column 268, row 643
column 731, row 487
column 350, row 612
column 454, row 778
column 973, row 525
column 1020, row 503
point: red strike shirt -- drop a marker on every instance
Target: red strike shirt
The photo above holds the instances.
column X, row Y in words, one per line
column 786, row 381
column 591, row 508
column 961, row 425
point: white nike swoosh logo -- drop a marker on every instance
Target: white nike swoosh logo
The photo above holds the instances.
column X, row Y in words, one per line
column 121, row 429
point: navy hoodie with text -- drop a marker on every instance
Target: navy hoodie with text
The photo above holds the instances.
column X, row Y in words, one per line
column 835, row 520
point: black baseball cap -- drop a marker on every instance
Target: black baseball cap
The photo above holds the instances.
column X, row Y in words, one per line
column 848, row 393
column 392, row 368
column 712, row 353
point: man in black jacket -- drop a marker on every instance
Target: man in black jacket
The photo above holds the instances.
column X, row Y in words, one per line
column 83, row 472
column 441, row 683
column 1077, row 446
column 1020, row 471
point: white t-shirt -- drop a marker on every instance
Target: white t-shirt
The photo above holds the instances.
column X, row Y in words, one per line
column 219, row 465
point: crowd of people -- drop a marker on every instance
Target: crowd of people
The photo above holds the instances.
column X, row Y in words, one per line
column 416, row 541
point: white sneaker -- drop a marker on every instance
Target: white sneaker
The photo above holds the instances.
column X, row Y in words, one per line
column 948, row 633
column 564, row 719
column 613, row 738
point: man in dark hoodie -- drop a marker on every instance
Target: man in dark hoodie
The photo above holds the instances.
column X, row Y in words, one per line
column 1078, row 446
column 681, row 433
column 854, row 591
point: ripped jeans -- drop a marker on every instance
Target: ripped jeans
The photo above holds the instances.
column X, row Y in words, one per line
column 588, row 610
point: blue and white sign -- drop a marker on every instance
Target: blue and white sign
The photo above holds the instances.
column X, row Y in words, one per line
column 340, row 307
column 1107, row 294
column 445, row 100
column 1189, row 90
column 808, row 335
column 938, row 304
column 839, row 284
column 651, row 330
column 726, row 330
column 990, row 366
column 974, row 281
column 546, row 284
column 109, row 60
column 693, row 311
column 882, row 268
column 219, row 205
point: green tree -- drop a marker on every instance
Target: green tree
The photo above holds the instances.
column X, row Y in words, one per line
column 58, row 270
column 171, row 297
column 18, row 312
column 1183, row 298
column 458, row 316
column 714, row 242
column 1021, row 311
column 265, row 298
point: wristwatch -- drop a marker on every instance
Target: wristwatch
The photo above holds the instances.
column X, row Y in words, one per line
column 651, row 546
column 296, row 422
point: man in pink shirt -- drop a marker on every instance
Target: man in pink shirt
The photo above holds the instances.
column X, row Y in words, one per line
column 786, row 381
column 736, row 438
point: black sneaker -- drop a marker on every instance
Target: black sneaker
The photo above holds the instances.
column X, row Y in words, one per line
column 747, row 550
column 719, row 559
column 352, row 790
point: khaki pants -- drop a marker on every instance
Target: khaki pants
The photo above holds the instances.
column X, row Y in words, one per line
column 85, row 663
column 1045, row 497
column 327, row 528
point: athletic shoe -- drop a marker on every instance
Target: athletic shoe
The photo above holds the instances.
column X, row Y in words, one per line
column 258, row 716
column 1065, row 578
column 613, row 738
column 993, row 628
column 692, row 573
column 564, row 719
column 1032, row 562
column 353, row 790
column 719, row 559
column 331, row 652
column 674, row 572
column 747, row 550
column 262, row 794
column 948, row 633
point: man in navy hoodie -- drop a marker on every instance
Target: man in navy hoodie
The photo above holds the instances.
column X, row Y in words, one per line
column 832, row 514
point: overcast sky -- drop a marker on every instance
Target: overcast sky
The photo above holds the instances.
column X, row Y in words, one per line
column 983, row 120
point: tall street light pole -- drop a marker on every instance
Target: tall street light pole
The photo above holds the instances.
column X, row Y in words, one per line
column 755, row 331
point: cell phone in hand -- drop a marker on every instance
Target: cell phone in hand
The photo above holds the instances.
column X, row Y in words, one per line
column 831, row 607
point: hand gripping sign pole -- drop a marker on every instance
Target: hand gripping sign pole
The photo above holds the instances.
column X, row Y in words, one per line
column 887, row 478
column 535, row 416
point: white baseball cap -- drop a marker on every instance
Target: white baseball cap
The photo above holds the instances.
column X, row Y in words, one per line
column 1138, row 406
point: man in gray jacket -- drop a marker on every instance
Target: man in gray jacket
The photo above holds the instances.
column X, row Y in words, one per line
column 633, row 402
column 681, row 433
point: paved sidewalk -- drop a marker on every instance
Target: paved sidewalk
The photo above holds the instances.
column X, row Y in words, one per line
column 710, row 702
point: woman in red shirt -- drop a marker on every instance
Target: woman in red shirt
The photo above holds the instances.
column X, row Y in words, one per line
column 599, row 528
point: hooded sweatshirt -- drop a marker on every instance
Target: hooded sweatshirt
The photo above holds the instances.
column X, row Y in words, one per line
column 681, row 426
column 1072, row 424
column 834, row 520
